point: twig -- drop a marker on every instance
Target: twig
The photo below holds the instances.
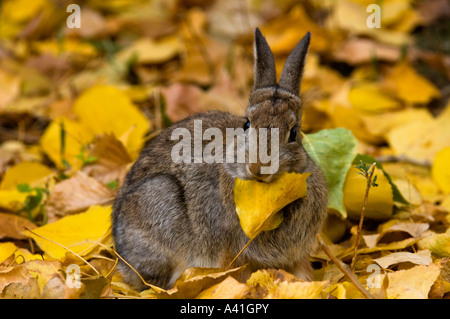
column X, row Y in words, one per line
column 344, row 268
column 155, row 288
column 368, row 175
column 50, row 240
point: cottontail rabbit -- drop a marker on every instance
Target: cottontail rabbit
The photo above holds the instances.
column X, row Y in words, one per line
column 170, row 215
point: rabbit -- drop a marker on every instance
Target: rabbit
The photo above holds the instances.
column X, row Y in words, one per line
column 172, row 215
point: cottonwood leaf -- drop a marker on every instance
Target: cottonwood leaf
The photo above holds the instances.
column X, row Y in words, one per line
column 26, row 173
column 106, row 109
column 79, row 232
column 258, row 203
column 380, row 202
column 333, row 150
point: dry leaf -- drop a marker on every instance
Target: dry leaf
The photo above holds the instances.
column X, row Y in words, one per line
column 6, row 250
column 34, row 174
column 257, row 203
column 194, row 280
column 422, row 257
column 414, row 283
column 410, row 86
column 11, row 226
column 77, row 194
column 112, row 160
column 441, row 170
column 106, row 109
column 79, row 232
column 230, row 288
column 438, row 244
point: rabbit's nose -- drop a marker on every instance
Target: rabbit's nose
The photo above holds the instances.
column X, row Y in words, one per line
column 254, row 169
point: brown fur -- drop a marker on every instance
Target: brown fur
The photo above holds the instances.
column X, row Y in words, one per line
column 168, row 216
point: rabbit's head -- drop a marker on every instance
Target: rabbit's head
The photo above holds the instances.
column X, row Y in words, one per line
column 272, row 129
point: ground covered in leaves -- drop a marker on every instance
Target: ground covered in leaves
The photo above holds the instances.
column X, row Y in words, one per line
column 78, row 104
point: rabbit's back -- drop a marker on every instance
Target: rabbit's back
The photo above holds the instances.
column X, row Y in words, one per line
column 175, row 211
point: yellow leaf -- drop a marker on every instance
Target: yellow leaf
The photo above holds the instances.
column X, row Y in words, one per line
column 414, row 283
column 230, row 288
column 368, row 97
column 22, row 255
column 76, row 137
column 6, row 250
column 380, row 202
column 25, row 173
column 441, row 170
column 106, row 109
column 284, row 32
column 77, row 232
column 279, row 284
column 409, row 85
column 12, row 200
column 257, row 204
column 67, row 46
column 147, row 51
column 438, row 244
column 421, row 139
column 344, row 290
column 42, row 270
column 297, row 290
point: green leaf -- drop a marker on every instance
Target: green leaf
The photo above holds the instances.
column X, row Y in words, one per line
column 333, row 151
column 24, row 188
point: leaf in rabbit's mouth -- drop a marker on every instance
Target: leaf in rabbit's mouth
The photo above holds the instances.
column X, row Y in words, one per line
column 259, row 205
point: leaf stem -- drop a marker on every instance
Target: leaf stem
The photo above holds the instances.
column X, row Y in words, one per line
column 342, row 267
column 369, row 176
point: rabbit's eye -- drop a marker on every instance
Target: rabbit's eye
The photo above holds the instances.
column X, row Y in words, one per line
column 247, row 125
column 292, row 135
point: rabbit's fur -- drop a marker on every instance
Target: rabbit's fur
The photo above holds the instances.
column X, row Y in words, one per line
column 171, row 216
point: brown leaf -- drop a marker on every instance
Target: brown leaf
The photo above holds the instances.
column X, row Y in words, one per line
column 112, row 160
column 195, row 280
column 11, row 226
column 77, row 194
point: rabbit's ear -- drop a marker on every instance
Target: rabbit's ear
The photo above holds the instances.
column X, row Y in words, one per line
column 291, row 76
column 265, row 74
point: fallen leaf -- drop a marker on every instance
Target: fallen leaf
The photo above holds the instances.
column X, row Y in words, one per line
column 76, row 194
column 194, row 280
column 440, row 171
column 410, row 86
column 112, row 160
column 230, row 288
column 68, row 146
column 79, row 232
column 368, row 97
column 279, row 284
column 438, row 244
column 414, row 283
column 12, row 200
column 333, row 151
column 99, row 110
column 6, row 250
column 422, row 257
column 258, row 203
column 147, row 51
column 34, row 174
column 12, row 225
column 421, row 139
column 380, row 202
